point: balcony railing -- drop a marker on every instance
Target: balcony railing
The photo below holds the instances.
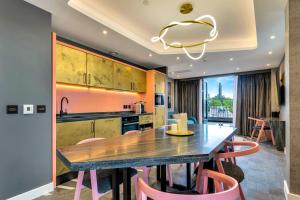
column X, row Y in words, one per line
column 219, row 113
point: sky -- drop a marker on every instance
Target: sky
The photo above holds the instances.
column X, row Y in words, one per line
column 227, row 86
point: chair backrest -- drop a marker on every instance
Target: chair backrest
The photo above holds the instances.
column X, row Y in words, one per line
column 230, row 193
column 89, row 140
column 253, row 147
column 258, row 122
column 132, row 132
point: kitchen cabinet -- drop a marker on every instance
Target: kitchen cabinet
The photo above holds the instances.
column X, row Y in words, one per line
column 145, row 119
column 70, row 133
column 139, row 80
column 99, row 72
column 159, row 116
column 109, row 127
column 78, row 67
column 160, row 83
column 122, row 77
column 70, row 65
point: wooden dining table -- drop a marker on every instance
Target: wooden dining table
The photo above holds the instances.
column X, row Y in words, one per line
column 146, row 149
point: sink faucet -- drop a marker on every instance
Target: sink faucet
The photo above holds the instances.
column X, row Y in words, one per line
column 61, row 105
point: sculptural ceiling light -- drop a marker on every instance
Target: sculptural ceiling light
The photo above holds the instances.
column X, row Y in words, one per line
column 202, row 20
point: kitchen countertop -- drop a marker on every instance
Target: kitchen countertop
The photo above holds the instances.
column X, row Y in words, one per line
column 71, row 117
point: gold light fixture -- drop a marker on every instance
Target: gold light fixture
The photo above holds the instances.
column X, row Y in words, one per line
column 185, row 9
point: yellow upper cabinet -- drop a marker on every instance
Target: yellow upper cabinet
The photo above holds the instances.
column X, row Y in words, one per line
column 83, row 68
column 122, row 77
column 99, row 71
column 160, row 83
column 139, row 80
column 70, row 65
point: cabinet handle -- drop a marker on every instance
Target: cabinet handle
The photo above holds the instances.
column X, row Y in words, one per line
column 131, row 85
column 89, row 79
column 84, row 78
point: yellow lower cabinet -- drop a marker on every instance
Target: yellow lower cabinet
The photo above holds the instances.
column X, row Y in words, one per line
column 70, row 133
column 145, row 119
column 159, row 117
column 109, row 127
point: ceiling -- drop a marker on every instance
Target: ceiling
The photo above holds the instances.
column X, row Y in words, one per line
column 135, row 20
column 243, row 43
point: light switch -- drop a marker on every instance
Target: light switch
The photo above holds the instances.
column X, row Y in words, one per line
column 27, row 109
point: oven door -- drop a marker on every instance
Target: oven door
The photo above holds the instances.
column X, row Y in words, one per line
column 130, row 127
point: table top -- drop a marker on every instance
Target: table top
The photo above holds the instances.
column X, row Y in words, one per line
column 152, row 148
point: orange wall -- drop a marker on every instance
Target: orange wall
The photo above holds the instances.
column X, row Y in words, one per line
column 82, row 99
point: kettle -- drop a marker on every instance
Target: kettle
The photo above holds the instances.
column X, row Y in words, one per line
column 139, row 107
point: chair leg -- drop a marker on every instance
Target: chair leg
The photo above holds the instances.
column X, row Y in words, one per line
column 241, row 193
column 259, row 135
column 135, row 179
column 79, row 185
column 170, row 176
column 252, row 134
column 199, row 178
column 94, row 184
column 146, row 173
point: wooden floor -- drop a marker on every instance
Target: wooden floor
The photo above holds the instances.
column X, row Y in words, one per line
column 264, row 175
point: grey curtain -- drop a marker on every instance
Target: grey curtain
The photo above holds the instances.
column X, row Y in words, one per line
column 188, row 97
column 253, row 100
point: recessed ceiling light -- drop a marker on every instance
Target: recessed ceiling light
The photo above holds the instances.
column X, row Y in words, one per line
column 113, row 53
column 270, row 52
column 204, row 72
column 268, row 65
column 231, row 59
column 104, row 32
column 150, row 54
column 177, row 57
column 272, row 37
column 191, row 65
column 172, row 72
column 178, row 75
column 237, row 68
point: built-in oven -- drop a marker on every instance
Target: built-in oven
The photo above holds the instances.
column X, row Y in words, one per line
column 159, row 99
column 130, row 123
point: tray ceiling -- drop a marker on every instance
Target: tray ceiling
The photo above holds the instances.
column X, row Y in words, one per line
column 140, row 20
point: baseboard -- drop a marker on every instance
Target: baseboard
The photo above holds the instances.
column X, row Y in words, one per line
column 287, row 194
column 35, row 193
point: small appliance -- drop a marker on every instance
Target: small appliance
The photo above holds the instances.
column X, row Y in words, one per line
column 139, row 107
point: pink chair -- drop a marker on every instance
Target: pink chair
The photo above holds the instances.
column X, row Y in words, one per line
column 93, row 176
column 146, row 170
column 227, row 189
column 262, row 127
column 226, row 162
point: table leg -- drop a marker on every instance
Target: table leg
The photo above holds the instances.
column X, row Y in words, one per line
column 158, row 172
column 163, row 178
column 126, row 184
column 115, row 185
column 188, row 176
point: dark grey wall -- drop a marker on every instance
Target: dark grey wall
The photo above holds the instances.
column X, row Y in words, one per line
column 25, row 78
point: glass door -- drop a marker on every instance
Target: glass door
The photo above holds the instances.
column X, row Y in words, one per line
column 204, row 102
